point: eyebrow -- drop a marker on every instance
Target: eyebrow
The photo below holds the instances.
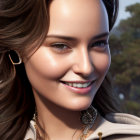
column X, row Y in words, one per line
column 68, row 38
column 101, row 35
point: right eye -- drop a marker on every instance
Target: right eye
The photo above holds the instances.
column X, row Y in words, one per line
column 60, row 47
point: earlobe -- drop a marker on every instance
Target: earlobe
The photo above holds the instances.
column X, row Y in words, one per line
column 14, row 57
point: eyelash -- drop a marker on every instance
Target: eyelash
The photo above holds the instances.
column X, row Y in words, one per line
column 100, row 44
column 62, row 48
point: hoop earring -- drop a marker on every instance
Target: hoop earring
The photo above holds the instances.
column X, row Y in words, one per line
column 14, row 57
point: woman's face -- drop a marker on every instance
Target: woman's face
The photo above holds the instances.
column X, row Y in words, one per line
column 69, row 67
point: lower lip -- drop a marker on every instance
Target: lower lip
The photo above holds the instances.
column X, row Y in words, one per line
column 79, row 90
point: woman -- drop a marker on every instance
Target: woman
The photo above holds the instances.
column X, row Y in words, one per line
column 54, row 59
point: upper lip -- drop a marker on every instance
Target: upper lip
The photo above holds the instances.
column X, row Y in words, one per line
column 82, row 82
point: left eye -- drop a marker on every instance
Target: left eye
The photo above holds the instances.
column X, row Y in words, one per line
column 100, row 44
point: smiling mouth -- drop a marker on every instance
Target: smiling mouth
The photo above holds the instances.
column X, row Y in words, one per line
column 78, row 84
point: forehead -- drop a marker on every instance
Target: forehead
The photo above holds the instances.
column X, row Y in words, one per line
column 78, row 17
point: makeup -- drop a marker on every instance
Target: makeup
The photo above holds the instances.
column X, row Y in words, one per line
column 74, row 53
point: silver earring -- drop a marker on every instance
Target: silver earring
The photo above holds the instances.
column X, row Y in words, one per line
column 88, row 116
column 15, row 57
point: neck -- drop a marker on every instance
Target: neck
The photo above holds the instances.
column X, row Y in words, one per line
column 58, row 122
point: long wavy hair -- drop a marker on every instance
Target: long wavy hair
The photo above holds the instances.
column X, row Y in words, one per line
column 23, row 27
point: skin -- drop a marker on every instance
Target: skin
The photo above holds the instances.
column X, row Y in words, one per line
column 84, row 57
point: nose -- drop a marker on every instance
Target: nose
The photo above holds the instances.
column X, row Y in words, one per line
column 83, row 63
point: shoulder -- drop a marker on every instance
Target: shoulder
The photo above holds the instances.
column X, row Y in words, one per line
column 115, row 126
column 118, row 126
column 123, row 118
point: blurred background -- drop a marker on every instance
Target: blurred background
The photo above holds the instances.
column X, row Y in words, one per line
column 125, row 51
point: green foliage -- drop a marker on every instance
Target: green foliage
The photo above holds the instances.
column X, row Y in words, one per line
column 132, row 107
column 130, row 28
column 133, row 21
column 125, row 67
column 135, row 93
column 126, row 64
column 134, row 10
column 125, row 49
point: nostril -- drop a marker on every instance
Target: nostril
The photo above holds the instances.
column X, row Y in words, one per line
column 82, row 68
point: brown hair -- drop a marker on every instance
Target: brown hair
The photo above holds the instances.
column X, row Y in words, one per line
column 23, row 27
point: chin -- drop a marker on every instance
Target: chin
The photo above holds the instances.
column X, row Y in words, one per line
column 79, row 106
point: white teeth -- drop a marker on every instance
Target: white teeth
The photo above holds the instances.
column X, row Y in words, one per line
column 79, row 85
column 70, row 84
column 85, row 85
column 74, row 85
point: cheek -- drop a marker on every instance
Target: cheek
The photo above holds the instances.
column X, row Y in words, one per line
column 101, row 62
column 45, row 64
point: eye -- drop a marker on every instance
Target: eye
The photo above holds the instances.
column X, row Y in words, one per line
column 60, row 47
column 100, row 45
